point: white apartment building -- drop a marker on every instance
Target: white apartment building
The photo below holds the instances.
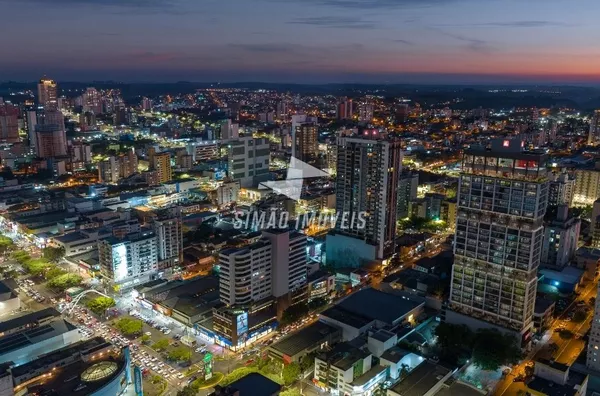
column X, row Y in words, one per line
column 129, row 261
column 248, row 160
column 275, row 266
column 169, row 240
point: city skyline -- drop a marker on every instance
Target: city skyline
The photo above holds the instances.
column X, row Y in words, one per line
column 314, row 41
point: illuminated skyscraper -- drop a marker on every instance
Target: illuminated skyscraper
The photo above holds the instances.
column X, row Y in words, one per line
column 368, row 171
column 502, row 200
column 345, row 109
column 161, row 162
column 594, row 133
column 92, row 101
column 51, row 141
column 305, row 145
column 48, row 94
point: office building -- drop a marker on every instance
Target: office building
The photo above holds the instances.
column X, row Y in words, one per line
column 51, row 141
column 344, row 109
column 108, row 171
column 130, row 261
column 587, row 187
column 502, row 200
column 9, row 123
column 594, row 132
column 561, row 236
column 161, row 163
column 561, row 189
column 305, row 144
column 25, row 338
column 248, row 160
column 47, row 94
column 368, row 170
column 92, row 101
column 169, row 236
column 87, row 368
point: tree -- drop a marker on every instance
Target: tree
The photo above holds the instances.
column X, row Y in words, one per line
column 63, row 282
column 54, row 254
column 36, row 267
column 100, row 304
column 294, row 313
column 145, row 338
column 307, row 362
column 492, row 349
column 579, row 316
column 54, row 272
column 6, row 244
column 161, row 344
column 128, row 326
column 291, row 392
column 290, row 373
column 187, row 391
column 180, row 354
column 21, row 256
column 454, row 340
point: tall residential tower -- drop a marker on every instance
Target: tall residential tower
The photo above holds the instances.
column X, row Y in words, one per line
column 503, row 194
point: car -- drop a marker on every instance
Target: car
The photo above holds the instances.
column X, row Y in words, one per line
column 148, row 333
column 180, row 375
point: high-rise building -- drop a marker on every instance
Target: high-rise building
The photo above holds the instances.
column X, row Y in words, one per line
column 87, row 121
column 561, row 189
column 368, row 170
column 146, row 104
column 51, row 141
column 595, row 224
column 80, row 153
column 92, row 101
column 594, row 132
column 9, row 123
column 52, row 117
column 130, row 261
column 560, row 239
column 169, row 235
column 502, row 200
column 229, row 130
column 108, row 170
column 587, row 187
column 365, row 112
column 305, row 145
column 128, row 164
column 407, row 192
column 31, row 119
column 593, row 348
column 248, row 160
column 275, row 266
column 47, row 94
column 161, row 162
column 345, row 109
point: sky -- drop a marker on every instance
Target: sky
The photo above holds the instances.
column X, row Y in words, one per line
column 302, row 41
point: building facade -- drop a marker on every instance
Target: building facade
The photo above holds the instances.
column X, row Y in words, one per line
column 587, row 187
column 48, row 94
column 306, row 139
column 248, row 160
column 129, row 261
column 368, row 170
column 9, row 123
column 502, row 199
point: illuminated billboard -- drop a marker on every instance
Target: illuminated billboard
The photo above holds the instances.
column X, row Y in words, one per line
column 242, row 323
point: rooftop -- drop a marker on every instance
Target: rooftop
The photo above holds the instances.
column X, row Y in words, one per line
column 255, row 384
column 421, row 379
column 343, row 356
column 377, row 305
column 28, row 319
column 304, row 339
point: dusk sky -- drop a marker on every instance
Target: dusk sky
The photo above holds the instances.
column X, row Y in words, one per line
column 403, row 41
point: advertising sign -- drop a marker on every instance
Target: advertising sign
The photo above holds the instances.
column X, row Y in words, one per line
column 208, row 366
column 242, row 323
